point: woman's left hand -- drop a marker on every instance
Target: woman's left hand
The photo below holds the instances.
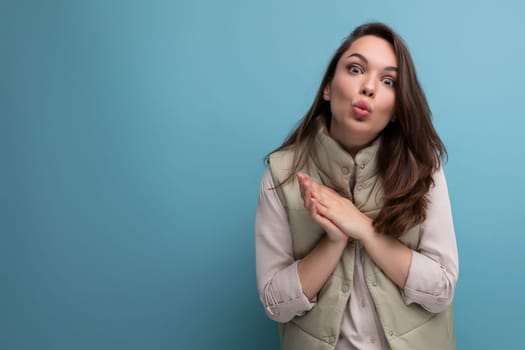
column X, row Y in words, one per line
column 338, row 209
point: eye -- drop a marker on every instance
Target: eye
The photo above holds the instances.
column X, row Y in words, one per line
column 354, row 69
column 388, row 81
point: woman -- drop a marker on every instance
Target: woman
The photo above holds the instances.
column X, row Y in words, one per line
column 355, row 245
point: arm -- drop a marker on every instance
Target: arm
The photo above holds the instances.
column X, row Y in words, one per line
column 427, row 276
column 388, row 253
column 434, row 269
column 392, row 256
column 315, row 268
column 278, row 283
column 286, row 286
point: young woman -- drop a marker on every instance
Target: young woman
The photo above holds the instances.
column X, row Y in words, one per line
column 355, row 244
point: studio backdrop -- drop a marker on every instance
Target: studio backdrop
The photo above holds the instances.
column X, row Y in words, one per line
column 132, row 143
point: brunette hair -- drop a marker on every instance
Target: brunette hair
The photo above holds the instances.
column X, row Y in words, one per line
column 411, row 150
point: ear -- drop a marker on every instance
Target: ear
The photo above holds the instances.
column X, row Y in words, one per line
column 326, row 92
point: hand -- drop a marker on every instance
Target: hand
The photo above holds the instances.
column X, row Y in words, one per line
column 333, row 233
column 329, row 206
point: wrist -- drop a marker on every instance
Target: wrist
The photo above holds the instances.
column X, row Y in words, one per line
column 367, row 232
column 339, row 241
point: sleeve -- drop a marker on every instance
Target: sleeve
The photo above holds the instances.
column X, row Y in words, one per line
column 278, row 282
column 434, row 268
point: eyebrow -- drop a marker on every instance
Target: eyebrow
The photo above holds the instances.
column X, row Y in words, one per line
column 363, row 58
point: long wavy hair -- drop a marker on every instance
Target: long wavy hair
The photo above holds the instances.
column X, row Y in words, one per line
column 411, row 150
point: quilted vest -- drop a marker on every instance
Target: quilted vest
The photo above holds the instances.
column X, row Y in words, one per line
column 406, row 327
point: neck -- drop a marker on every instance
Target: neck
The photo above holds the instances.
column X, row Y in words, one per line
column 348, row 141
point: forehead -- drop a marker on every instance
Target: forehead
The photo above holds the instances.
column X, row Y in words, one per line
column 376, row 50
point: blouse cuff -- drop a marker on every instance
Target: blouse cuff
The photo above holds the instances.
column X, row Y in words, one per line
column 427, row 284
column 283, row 295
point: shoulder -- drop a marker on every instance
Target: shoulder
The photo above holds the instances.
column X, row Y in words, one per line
column 280, row 164
column 282, row 157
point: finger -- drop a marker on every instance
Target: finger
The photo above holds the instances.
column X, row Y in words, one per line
column 302, row 179
column 324, row 198
column 329, row 197
column 306, row 197
column 323, row 210
column 318, row 208
column 319, row 193
column 302, row 185
column 303, row 175
column 307, row 200
column 327, row 224
column 312, row 209
column 315, row 190
column 305, row 184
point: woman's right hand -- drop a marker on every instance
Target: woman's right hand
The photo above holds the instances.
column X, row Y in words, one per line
column 333, row 233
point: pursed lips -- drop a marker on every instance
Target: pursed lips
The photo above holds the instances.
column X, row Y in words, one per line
column 361, row 108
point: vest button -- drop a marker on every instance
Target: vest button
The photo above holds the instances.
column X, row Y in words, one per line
column 331, row 340
column 390, row 333
column 346, row 287
column 362, row 166
column 345, row 170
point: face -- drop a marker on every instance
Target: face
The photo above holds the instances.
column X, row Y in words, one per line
column 361, row 93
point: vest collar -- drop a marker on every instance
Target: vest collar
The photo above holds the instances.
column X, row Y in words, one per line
column 336, row 165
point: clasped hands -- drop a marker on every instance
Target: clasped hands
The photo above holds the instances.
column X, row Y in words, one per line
column 337, row 215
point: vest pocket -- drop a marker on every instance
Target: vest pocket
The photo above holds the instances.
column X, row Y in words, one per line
column 294, row 337
column 396, row 317
column 435, row 334
column 323, row 321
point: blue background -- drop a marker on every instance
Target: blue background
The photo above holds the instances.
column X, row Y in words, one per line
column 132, row 138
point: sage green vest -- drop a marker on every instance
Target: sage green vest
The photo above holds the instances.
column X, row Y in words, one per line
column 405, row 326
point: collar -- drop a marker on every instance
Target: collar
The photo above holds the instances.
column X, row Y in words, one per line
column 335, row 165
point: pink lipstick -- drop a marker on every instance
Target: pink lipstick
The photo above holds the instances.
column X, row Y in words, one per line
column 361, row 108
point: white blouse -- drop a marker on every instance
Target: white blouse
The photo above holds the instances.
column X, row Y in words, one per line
column 431, row 278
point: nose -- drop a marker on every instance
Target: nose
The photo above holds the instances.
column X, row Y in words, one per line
column 367, row 91
column 368, row 88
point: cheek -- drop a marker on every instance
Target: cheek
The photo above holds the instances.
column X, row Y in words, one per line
column 341, row 94
column 388, row 102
